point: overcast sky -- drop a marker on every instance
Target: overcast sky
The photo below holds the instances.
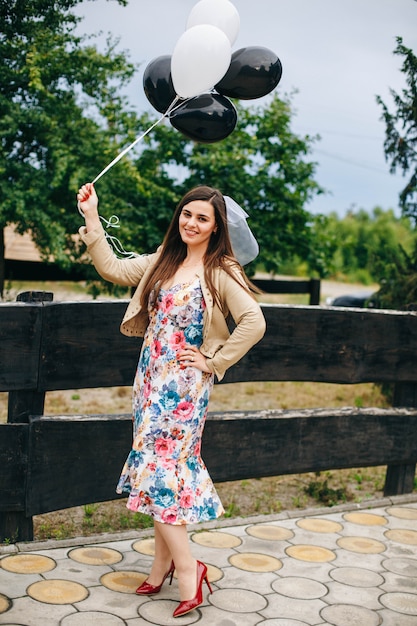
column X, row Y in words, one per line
column 337, row 54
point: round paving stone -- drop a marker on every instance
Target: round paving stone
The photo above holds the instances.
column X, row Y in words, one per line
column 319, row 525
column 124, row 582
column 365, row 519
column 356, row 577
column 282, row 622
column 95, row 556
column 216, row 539
column 399, row 535
column 145, row 546
column 270, row 533
column 28, row 564
column 57, row 592
column 312, row 554
column 402, row 566
column 238, row 600
column 160, row 612
column 405, row 603
column 254, row 562
column 349, row 615
column 402, row 513
column 299, row 588
column 5, row 603
column 214, row 573
column 92, row 618
column 363, row 545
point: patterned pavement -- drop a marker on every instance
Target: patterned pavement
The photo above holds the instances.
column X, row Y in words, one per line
column 351, row 565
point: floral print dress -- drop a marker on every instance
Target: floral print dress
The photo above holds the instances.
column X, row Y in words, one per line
column 164, row 475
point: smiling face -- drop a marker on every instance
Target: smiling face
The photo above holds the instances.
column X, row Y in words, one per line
column 197, row 223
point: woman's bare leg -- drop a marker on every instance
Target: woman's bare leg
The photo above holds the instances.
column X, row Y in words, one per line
column 162, row 560
column 175, row 539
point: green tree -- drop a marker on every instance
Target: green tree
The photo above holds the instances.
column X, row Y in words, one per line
column 401, row 129
column 398, row 288
column 399, row 284
column 61, row 119
column 368, row 243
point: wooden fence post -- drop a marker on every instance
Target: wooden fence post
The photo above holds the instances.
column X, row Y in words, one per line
column 27, row 402
column 400, row 478
column 14, row 525
column 315, row 291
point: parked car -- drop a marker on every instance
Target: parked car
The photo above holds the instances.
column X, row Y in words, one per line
column 360, row 300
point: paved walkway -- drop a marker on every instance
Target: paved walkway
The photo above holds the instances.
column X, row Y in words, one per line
column 344, row 566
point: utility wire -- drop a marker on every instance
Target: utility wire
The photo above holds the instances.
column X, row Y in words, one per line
column 364, row 166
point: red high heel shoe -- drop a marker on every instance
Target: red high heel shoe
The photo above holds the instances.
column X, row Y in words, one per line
column 146, row 589
column 188, row 605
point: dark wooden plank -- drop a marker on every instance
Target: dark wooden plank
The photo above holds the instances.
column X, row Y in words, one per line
column 13, row 464
column 20, row 336
column 310, row 287
column 30, row 271
column 270, row 443
column 332, row 344
column 405, row 394
column 15, row 526
column 83, row 347
column 315, row 286
column 75, row 460
column 35, row 296
column 400, row 478
column 22, row 404
column 272, row 285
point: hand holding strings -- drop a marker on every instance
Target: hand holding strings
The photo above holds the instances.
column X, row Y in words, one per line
column 88, row 205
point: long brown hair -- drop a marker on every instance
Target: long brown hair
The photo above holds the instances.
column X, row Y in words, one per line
column 219, row 251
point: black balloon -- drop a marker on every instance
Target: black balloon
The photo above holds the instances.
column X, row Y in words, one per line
column 157, row 83
column 206, row 119
column 253, row 72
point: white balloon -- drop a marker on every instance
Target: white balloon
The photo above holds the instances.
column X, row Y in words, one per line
column 220, row 13
column 200, row 59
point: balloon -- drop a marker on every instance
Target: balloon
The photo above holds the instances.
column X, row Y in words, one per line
column 220, row 13
column 253, row 73
column 206, row 118
column 157, row 83
column 200, row 59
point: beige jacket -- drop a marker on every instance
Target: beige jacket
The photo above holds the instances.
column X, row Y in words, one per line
column 221, row 349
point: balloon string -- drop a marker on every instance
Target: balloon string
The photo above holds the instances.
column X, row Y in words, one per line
column 169, row 110
column 136, row 141
column 172, row 108
column 113, row 222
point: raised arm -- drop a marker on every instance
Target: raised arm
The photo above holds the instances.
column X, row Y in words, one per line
column 88, row 203
column 127, row 271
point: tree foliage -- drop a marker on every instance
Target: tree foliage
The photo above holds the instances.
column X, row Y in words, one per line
column 399, row 282
column 61, row 116
column 401, row 129
column 367, row 245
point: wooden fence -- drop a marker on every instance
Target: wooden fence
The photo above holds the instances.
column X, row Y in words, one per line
column 55, row 462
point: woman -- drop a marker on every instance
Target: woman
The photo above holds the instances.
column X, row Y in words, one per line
column 185, row 292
